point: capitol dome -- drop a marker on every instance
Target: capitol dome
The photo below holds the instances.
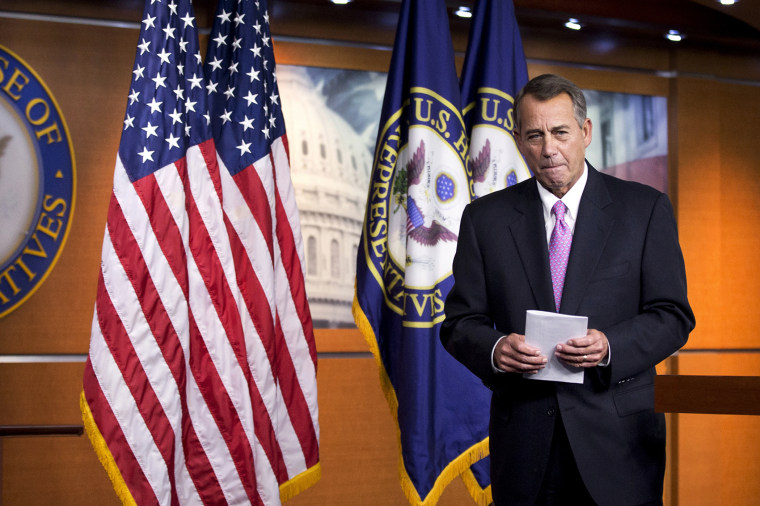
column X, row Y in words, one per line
column 330, row 164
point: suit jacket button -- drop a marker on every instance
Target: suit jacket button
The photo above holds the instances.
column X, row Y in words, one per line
column 550, row 411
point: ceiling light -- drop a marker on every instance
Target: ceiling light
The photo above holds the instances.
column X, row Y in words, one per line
column 463, row 12
column 340, row 2
column 573, row 24
column 728, row 2
column 674, row 36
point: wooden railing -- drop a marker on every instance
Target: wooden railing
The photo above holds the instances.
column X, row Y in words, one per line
column 718, row 395
column 40, row 430
column 33, row 430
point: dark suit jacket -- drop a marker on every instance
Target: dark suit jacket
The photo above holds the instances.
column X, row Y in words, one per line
column 626, row 273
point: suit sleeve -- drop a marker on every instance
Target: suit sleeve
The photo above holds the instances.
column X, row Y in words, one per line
column 665, row 318
column 468, row 331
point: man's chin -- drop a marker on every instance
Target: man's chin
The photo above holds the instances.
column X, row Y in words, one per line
column 555, row 186
column 552, row 183
column 554, row 171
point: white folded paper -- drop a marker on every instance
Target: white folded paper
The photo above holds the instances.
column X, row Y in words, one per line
column 545, row 330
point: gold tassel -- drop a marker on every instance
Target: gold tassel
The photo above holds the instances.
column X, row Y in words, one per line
column 104, row 454
column 301, row 482
column 459, row 466
column 482, row 496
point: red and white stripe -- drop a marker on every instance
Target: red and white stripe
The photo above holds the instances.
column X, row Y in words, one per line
column 259, row 204
column 201, row 376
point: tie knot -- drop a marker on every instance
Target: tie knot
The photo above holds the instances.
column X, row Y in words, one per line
column 559, row 209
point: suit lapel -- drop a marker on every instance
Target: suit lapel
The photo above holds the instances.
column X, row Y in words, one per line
column 529, row 235
column 592, row 230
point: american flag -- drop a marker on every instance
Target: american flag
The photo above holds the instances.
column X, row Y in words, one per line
column 262, row 220
column 200, row 384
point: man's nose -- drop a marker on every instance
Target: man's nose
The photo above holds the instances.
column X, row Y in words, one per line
column 549, row 147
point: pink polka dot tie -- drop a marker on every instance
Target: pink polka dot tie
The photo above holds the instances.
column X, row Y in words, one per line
column 559, row 250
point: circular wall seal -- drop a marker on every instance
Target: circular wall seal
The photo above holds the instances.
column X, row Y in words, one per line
column 37, row 181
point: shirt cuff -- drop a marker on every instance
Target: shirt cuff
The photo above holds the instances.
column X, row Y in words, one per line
column 606, row 360
column 493, row 350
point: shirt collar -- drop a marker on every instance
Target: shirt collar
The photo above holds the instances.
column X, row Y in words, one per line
column 572, row 198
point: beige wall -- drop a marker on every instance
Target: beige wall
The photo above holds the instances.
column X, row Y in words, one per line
column 713, row 103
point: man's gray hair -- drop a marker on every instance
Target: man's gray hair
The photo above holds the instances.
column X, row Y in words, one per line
column 548, row 86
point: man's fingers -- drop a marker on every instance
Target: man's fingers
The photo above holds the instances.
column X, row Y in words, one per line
column 513, row 355
column 581, row 357
column 531, row 364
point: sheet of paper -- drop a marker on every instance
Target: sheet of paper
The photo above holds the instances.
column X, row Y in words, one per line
column 545, row 330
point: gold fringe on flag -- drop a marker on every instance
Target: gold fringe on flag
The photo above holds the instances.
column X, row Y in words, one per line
column 301, row 482
column 459, row 466
column 104, row 454
column 482, row 496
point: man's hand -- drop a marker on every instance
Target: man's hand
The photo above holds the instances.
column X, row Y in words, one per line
column 512, row 354
column 586, row 351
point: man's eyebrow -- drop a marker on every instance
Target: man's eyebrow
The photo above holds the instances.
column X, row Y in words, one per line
column 541, row 131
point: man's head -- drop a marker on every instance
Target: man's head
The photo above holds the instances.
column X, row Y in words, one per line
column 552, row 131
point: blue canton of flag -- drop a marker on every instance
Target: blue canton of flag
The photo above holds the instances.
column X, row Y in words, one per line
column 418, row 190
column 494, row 72
column 242, row 84
column 167, row 103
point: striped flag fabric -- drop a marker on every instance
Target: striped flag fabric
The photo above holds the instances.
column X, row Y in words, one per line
column 418, row 190
column 261, row 219
column 494, row 71
column 187, row 388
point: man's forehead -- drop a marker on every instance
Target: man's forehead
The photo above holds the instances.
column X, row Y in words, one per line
column 552, row 113
column 559, row 102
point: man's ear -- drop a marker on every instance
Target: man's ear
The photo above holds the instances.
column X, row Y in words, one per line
column 587, row 131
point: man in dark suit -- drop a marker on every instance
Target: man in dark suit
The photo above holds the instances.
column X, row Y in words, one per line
column 599, row 442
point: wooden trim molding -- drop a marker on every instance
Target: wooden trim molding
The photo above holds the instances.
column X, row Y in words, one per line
column 719, row 395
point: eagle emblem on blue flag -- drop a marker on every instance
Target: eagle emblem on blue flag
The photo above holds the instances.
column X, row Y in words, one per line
column 416, row 229
column 430, row 189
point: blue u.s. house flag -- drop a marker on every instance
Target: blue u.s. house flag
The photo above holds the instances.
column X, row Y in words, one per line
column 494, row 71
column 418, row 190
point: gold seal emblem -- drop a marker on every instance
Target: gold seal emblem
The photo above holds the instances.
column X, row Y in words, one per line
column 37, row 181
